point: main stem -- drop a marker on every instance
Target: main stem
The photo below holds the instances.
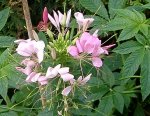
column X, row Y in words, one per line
column 27, row 18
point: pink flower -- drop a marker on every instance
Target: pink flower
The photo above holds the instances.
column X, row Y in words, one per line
column 30, row 48
column 105, row 48
column 83, row 22
column 90, row 45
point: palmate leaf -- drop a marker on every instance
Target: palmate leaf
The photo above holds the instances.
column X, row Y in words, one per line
column 145, row 73
column 132, row 63
column 128, row 47
column 95, row 6
column 3, row 17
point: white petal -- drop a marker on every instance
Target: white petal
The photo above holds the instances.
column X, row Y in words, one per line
column 68, row 18
column 63, row 70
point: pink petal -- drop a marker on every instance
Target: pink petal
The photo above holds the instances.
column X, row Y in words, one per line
column 79, row 79
column 86, row 79
column 26, row 71
column 56, row 18
column 27, row 62
column 42, row 80
column 60, row 15
column 35, row 77
column 97, row 62
column 40, row 45
column 79, row 47
column 63, row 70
column 67, row 77
column 105, row 48
column 72, row 81
column 66, row 91
column 52, row 20
column 73, row 51
column 29, row 77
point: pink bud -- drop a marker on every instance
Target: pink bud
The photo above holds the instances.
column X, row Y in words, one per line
column 45, row 15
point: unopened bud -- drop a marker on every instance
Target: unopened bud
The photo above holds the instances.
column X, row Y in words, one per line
column 67, row 35
column 53, row 53
column 50, row 34
column 35, row 35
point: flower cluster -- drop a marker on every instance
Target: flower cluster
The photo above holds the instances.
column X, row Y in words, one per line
column 86, row 45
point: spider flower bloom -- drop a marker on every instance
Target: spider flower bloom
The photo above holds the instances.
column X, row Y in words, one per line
column 88, row 44
column 30, row 48
column 83, row 22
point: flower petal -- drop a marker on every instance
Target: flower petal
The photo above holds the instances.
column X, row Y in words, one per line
column 97, row 62
column 67, row 77
column 68, row 18
column 66, row 91
column 73, row 51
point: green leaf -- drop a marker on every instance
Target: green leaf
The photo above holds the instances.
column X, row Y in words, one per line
column 3, row 86
column 132, row 63
column 132, row 15
column 10, row 113
column 141, row 39
column 3, row 17
column 107, row 75
column 106, row 105
column 98, row 95
column 128, row 47
column 114, row 61
column 145, row 73
column 115, row 4
column 118, row 23
column 144, row 29
column 4, row 57
column 6, row 41
column 147, row 6
column 139, row 111
column 42, row 37
column 128, row 32
column 118, row 102
column 95, row 6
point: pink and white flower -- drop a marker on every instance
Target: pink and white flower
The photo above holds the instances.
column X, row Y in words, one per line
column 83, row 22
column 29, row 48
